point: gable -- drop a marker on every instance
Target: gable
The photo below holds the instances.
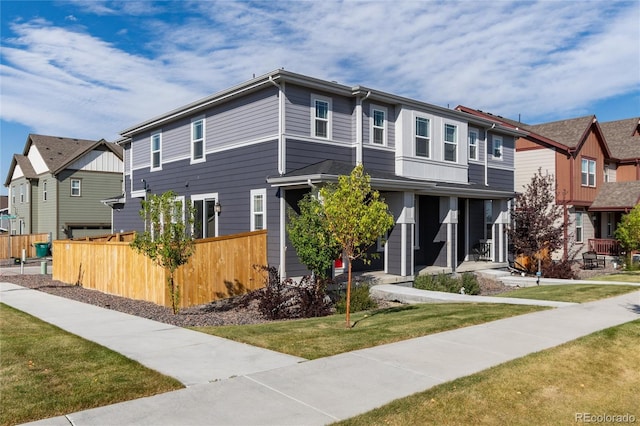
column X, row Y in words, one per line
column 38, row 163
column 97, row 160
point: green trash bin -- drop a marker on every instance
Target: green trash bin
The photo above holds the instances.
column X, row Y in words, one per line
column 41, row 249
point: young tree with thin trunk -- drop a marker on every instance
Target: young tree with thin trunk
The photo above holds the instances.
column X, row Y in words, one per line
column 356, row 217
column 166, row 239
column 537, row 221
column 628, row 232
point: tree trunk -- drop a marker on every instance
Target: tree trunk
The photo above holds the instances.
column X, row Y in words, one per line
column 349, row 296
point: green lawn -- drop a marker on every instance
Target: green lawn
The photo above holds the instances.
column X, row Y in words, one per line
column 320, row 337
column 578, row 293
column 46, row 372
column 625, row 277
column 598, row 374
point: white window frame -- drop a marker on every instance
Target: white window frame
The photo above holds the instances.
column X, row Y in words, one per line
column 373, row 127
column 328, row 119
column 427, row 137
column 13, row 195
column 496, row 148
column 256, row 193
column 22, row 197
column 204, row 198
column 44, row 190
column 447, row 142
column 474, row 144
column 79, row 194
column 579, row 227
column 153, row 151
column 589, row 173
column 202, row 140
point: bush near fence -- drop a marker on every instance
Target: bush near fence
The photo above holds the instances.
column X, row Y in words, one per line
column 19, row 242
column 220, row 267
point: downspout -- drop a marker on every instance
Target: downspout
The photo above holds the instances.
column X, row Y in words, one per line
column 486, row 155
column 359, row 123
column 281, row 171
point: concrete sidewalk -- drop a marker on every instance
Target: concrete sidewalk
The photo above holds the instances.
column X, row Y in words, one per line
column 275, row 389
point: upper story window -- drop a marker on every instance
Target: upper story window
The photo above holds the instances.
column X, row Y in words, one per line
column 13, row 195
column 473, row 144
column 378, row 125
column 22, row 197
column 423, row 137
column 197, row 140
column 76, row 187
column 588, row 172
column 497, row 148
column 156, row 151
column 44, row 191
column 321, row 117
column 450, row 142
column 258, row 209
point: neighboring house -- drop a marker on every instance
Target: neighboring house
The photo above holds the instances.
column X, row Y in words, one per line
column 251, row 152
column 57, row 183
column 586, row 158
column 4, row 212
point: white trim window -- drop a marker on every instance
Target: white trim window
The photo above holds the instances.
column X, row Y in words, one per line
column 156, row 151
column 321, row 117
column 450, row 142
column 197, row 140
column 258, row 209
column 44, row 190
column 378, row 128
column 22, row 197
column 76, row 187
column 474, row 135
column 205, row 223
column 13, row 195
column 423, row 137
column 497, row 148
column 579, row 227
column 588, row 172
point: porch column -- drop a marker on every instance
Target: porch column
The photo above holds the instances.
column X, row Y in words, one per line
column 449, row 210
column 501, row 214
column 399, row 256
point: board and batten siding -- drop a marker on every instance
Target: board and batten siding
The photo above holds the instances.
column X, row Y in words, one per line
column 98, row 161
column 298, row 112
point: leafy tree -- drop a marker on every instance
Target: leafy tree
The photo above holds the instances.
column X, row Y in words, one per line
column 310, row 235
column 165, row 239
column 356, row 217
column 628, row 231
column 537, row 221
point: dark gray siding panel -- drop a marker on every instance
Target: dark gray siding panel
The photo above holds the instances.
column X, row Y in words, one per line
column 377, row 159
column 232, row 174
column 394, row 250
column 301, row 154
column 476, row 173
column 501, row 179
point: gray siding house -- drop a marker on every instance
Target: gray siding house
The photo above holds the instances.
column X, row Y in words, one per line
column 255, row 149
column 56, row 185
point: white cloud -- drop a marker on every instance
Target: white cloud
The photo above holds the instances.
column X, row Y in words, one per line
column 539, row 59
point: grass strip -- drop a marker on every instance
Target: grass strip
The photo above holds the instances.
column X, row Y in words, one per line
column 624, row 277
column 596, row 375
column 577, row 293
column 320, row 337
column 47, row 372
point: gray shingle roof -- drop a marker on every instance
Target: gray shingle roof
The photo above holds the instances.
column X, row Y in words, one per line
column 617, row 196
column 566, row 132
column 25, row 166
column 623, row 138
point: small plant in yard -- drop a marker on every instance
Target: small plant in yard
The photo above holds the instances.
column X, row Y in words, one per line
column 448, row 283
column 283, row 299
column 360, row 300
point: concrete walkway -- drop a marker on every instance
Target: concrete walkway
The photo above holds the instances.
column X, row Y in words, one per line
column 259, row 387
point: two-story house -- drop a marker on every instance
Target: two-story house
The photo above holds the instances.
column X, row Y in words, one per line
column 56, row 184
column 585, row 160
column 246, row 155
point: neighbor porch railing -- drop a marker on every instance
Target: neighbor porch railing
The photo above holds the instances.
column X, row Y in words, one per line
column 605, row 246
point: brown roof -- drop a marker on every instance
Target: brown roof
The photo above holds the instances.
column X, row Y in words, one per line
column 566, row 132
column 617, row 196
column 57, row 153
column 623, row 138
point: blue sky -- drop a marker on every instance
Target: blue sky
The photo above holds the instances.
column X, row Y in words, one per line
column 89, row 69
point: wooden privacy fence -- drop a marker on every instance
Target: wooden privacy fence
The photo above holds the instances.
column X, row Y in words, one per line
column 219, row 267
column 19, row 242
column 119, row 237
